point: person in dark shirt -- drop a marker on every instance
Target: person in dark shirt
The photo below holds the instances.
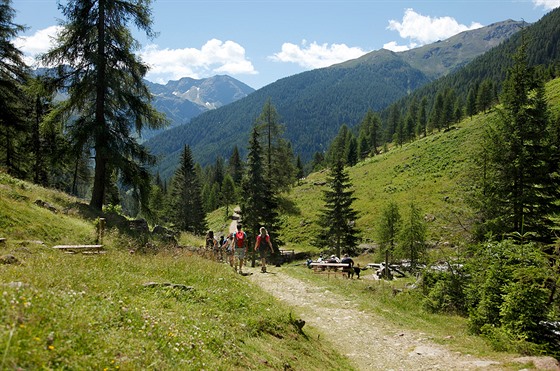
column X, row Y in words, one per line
column 350, row 270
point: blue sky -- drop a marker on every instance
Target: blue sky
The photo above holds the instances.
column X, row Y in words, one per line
column 261, row 41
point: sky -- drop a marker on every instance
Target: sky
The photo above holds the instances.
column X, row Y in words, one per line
column 260, row 41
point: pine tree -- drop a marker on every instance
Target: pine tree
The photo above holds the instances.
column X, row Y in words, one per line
column 235, row 166
column 105, row 86
column 318, row 161
column 351, row 152
column 393, row 122
column 338, row 218
column 471, row 103
column 299, row 169
column 485, row 96
column 368, row 137
column 277, row 151
column 186, row 201
column 523, row 185
column 423, row 118
column 259, row 205
column 228, row 192
column 437, row 114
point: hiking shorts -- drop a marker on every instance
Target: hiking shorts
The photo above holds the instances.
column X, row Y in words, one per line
column 239, row 253
column 264, row 253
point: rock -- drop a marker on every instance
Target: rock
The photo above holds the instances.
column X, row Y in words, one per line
column 541, row 363
column 46, row 205
column 9, row 259
column 139, row 225
column 168, row 284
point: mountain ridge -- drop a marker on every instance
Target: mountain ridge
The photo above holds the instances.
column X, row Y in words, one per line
column 183, row 99
column 314, row 104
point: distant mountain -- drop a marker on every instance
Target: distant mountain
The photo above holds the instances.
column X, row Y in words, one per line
column 314, row 104
column 183, row 99
column 542, row 40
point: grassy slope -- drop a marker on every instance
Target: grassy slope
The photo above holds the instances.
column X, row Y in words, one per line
column 433, row 172
column 82, row 312
column 63, row 311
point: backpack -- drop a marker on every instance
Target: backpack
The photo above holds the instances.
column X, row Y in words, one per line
column 240, row 238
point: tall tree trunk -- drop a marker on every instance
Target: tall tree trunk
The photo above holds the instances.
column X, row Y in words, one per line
column 101, row 158
column 98, row 192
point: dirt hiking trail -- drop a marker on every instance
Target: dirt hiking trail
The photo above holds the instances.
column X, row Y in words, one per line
column 372, row 344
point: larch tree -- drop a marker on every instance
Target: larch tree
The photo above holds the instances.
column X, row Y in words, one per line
column 412, row 237
column 94, row 53
column 388, row 227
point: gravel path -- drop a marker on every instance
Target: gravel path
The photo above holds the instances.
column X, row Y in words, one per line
column 372, row 345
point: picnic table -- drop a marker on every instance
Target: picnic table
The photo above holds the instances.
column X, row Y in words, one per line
column 329, row 268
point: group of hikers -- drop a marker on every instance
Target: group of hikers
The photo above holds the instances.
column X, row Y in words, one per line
column 235, row 247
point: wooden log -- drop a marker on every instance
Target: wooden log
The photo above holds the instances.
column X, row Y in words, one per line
column 81, row 248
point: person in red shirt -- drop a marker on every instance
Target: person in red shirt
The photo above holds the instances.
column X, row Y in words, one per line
column 240, row 243
column 263, row 239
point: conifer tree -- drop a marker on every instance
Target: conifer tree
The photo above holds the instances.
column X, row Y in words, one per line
column 423, row 117
column 369, row 134
column 277, row 151
column 522, row 184
column 412, row 237
column 103, row 77
column 389, row 227
column 259, row 205
column 186, row 201
column 13, row 74
column 299, row 169
column 318, row 161
column 235, row 166
column 485, row 96
column 338, row 218
column 351, row 152
column 393, row 121
column 471, row 103
column 437, row 114
column 228, row 192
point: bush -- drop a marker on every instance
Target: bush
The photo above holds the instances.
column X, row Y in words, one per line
column 444, row 292
column 508, row 297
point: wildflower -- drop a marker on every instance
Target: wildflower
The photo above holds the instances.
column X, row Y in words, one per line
column 50, row 347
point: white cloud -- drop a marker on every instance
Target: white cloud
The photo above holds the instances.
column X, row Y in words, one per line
column 215, row 57
column 421, row 30
column 547, row 4
column 316, row 56
column 38, row 43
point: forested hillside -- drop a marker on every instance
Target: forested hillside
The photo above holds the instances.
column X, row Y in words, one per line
column 543, row 49
column 314, row 104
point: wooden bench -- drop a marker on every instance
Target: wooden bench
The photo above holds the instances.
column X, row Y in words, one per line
column 85, row 249
column 329, row 268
